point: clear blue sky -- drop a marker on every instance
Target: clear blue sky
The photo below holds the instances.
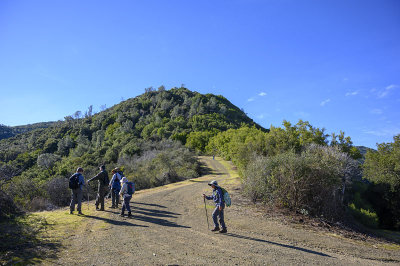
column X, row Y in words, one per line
column 333, row 63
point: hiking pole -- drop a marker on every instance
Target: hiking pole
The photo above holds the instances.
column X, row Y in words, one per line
column 205, row 207
column 88, row 196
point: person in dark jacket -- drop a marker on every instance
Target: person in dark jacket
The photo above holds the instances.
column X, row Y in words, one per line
column 103, row 180
column 76, row 197
column 218, row 199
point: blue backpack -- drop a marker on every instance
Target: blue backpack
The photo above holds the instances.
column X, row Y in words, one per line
column 226, row 197
column 117, row 182
column 131, row 187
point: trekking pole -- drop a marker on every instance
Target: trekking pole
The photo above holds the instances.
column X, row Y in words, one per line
column 205, row 207
column 88, row 196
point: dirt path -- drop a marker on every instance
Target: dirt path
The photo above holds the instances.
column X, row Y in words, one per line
column 169, row 227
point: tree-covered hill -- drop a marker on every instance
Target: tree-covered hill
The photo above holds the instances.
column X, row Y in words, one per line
column 8, row 132
column 146, row 135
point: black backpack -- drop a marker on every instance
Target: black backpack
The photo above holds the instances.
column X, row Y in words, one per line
column 74, row 181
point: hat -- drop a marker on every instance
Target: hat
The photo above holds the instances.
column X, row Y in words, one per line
column 124, row 179
column 215, row 183
column 80, row 169
column 116, row 169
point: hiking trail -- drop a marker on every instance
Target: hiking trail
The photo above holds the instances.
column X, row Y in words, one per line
column 169, row 227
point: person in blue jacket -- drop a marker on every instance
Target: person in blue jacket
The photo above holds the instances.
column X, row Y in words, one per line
column 77, row 193
column 218, row 199
column 115, row 185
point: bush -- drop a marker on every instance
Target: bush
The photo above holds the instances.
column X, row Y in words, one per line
column 366, row 217
column 58, row 191
column 314, row 180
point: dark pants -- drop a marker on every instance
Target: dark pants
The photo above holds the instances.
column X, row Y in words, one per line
column 125, row 204
column 219, row 213
column 100, row 197
column 115, row 197
column 76, row 198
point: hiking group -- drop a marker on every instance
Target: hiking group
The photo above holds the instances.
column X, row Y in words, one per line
column 119, row 186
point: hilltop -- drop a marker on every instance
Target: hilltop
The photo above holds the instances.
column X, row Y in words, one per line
column 146, row 134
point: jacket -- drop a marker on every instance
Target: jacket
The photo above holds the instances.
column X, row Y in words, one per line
column 217, row 197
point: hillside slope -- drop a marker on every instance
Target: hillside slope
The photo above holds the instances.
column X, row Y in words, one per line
column 169, row 227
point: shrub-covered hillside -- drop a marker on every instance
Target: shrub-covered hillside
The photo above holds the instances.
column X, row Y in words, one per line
column 8, row 132
column 146, row 135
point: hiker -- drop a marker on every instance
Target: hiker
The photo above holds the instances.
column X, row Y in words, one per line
column 127, row 190
column 76, row 183
column 115, row 186
column 103, row 179
column 217, row 196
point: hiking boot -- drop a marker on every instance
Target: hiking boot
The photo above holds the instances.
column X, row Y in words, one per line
column 80, row 213
column 223, row 231
column 112, row 207
column 97, row 208
column 102, row 209
column 122, row 214
column 129, row 214
column 215, row 229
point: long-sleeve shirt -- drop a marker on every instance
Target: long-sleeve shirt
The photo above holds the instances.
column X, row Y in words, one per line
column 102, row 177
column 116, row 175
column 217, row 197
column 81, row 180
column 124, row 191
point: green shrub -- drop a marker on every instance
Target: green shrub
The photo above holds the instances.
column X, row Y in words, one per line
column 366, row 217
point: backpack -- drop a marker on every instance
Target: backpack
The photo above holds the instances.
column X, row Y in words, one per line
column 117, row 182
column 74, row 181
column 226, row 197
column 131, row 187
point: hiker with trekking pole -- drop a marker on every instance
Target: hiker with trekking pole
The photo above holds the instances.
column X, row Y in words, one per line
column 218, row 198
column 103, row 179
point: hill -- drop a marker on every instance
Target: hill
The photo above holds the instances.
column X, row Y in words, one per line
column 146, row 134
column 8, row 132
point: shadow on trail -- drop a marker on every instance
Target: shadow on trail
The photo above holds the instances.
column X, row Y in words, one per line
column 154, row 216
column 115, row 222
column 278, row 244
column 22, row 243
column 150, row 204
column 205, row 170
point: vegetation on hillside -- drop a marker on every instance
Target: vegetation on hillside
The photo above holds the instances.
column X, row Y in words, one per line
column 154, row 137
column 8, row 132
column 145, row 135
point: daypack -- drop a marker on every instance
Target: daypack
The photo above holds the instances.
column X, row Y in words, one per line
column 131, row 187
column 74, row 181
column 226, row 197
column 117, row 182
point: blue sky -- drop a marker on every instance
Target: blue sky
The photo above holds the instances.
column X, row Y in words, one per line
column 335, row 63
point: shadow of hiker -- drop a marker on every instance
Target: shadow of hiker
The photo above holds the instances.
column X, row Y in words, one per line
column 150, row 204
column 115, row 222
column 278, row 244
column 158, row 221
column 153, row 211
column 22, row 243
column 153, row 215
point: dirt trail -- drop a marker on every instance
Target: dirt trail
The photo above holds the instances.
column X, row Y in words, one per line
column 169, row 227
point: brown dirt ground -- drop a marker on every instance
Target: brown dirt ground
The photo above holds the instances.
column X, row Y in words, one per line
column 169, row 227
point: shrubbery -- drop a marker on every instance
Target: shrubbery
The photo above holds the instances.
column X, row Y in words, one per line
column 313, row 180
